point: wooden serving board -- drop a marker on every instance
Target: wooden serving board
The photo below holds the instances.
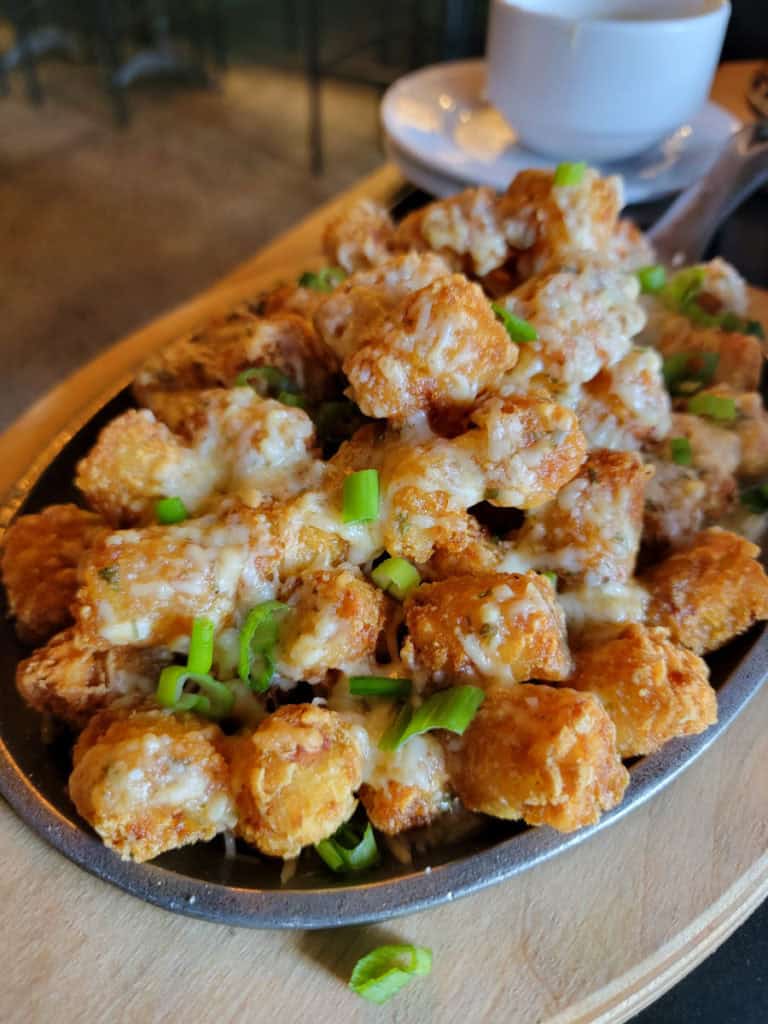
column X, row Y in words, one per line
column 594, row 935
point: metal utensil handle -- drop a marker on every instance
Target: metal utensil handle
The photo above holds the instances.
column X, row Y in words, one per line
column 685, row 230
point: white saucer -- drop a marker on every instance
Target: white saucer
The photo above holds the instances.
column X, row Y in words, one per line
column 426, row 178
column 439, row 117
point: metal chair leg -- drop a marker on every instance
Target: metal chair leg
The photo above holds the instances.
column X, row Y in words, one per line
column 314, row 85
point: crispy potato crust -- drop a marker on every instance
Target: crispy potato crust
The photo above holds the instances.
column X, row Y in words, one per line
column 439, row 348
column 151, row 781
column 590, row 532
column 653, row 690
column 548, row 226
column 542, row 754
column 72, row 680
column 335, row 620
column 213, row 356
column 41, row 554
column 294, row 778
column 709, row 592
column 361, row 236
column 492, row 627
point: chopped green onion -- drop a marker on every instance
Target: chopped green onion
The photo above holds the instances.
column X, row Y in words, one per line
column 451, row 709
column 361, row 496
column 266, row 380
column 379, row 686
column 324, row 280
column 200, row 656
column 551, row 576
column 298, row 401
column 716, row 407
column 347, row 852
column 111, row 575
column 685, row 372
column 569, row 174
column 335, row 422
column 384, row 971
column 652, row 279
column 755, row 498
column 257, row 642
column 519, row 330
column 170, row 510
column 215, row 699
column 682, row 288
column 396, row 576
column 680, row 447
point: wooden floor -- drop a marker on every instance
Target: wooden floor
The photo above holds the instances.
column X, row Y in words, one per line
column 101, row 230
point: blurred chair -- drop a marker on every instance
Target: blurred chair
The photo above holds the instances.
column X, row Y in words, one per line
column 455, row 36
column 40, row 29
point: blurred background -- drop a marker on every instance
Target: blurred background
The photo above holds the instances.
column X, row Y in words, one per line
column 147, row 146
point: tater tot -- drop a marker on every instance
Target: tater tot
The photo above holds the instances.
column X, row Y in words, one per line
column 41, row 553
column 527, row 448
column 145, row 587
column 294, row 778
column 551, row 225
column 214, row 356
column 542, row 754
column 653, row 690
column 71, row 679
column 137, row 460
column 343, row 318
column 402, row 789
column 499, row 628
column 739, row 356
column 220, row 440
column 334, row 619
column 590, row 532
column 439, row 348
column 361, row 236
column 465, row 229
column 709, row 592
column 427, row 490
column 675, row 501
column 584, row 319
column 626, row 404
column 151, row 781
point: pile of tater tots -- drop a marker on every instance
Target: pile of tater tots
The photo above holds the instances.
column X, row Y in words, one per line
column 443, row 530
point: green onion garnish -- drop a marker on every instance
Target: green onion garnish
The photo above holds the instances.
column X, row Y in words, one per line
column 519, row 330
column 361, row 496
column 396, row 576
column 682, row 288
column 686, row 373
column 569, row 174
column 652, row 279
column 680, row 447
column 215, row 699
column 379, row 686
column 257, row 642
column 755, row 498
column 295, row 400
column 451, row 709
column 170, row 510
column 200, row 656
column 267, row 380
column 551, row 576
column 347, row 852
column 716, row 407
column 324, row 280
column 384, row 971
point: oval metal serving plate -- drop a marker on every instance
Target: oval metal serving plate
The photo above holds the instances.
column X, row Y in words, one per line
column 200, row 881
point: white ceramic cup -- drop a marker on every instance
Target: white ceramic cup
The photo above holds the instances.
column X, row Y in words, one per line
column 601, row 79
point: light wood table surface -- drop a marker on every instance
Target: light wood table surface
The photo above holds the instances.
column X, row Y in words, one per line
column 594, row 935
